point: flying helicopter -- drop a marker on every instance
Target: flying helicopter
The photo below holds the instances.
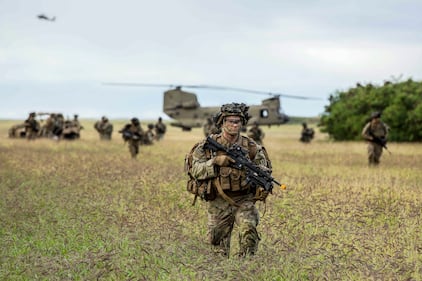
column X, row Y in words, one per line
column 183, row 106
column 44, row 17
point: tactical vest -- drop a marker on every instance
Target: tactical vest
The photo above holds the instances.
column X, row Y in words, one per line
column 230, row 178
column 378, row 130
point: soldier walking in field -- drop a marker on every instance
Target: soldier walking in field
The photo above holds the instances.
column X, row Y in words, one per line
column 307, row 134
column 209, row 127
column 160, row 129
column 256, row 133
column 104, row 128
column 149, row 135
column 375, row 132
column 132, row 133
column 230, row 197
column 32, row 127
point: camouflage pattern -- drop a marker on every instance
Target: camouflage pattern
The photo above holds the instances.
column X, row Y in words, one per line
column 256, row 134
column 222, row 215
column 136, row 131
column 32, row 127
column 221, row 219
column 48, row 127
column 232, row 109
column 149, row 135
column 104, row 128
column 160, row 129
column 54, row 127
column 378, row 129
column 71, row 129
column 210, row 128
column 307, row 134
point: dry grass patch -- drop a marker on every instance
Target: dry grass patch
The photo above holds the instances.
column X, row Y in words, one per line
column 84, row 210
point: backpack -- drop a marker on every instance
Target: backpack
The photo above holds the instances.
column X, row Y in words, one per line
column 201, row 188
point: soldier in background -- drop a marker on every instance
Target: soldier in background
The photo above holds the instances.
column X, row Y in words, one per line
column 58, row 126
column 149, row 135
column 375, row 132
column 160, row 129
column 307, row 134
column 104, row 128
column 210, row 127
column 47, row 128
column 71, row 129
column 256, row 133
column 77, row 125
column 132, row 133
column 32, row 127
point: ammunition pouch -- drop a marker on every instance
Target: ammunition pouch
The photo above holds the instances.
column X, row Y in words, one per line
column 201, row 188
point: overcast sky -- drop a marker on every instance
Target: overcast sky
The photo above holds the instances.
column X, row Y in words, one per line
column 306, row 48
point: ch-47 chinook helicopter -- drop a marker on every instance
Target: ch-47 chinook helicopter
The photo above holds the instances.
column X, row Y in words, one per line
column 184, row 107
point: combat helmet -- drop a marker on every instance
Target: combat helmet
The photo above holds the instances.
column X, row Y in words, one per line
column 232, row 109
column 135, row 121
column 375, row 114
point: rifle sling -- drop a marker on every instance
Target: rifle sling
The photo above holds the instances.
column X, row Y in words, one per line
column 222, row 194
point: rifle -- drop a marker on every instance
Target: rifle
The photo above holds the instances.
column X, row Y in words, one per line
column 255, row 175
column 379, row 141
column 129, row 135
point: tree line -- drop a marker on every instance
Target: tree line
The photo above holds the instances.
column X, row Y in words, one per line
column 399, row 102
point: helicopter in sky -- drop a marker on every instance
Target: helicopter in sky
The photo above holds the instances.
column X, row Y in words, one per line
column 183, row 106
column 44, row 17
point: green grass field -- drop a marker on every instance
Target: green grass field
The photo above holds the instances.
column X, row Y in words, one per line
column 84, row 210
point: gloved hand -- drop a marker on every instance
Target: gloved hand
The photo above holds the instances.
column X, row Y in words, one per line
column 223, row 160
column 261, row 194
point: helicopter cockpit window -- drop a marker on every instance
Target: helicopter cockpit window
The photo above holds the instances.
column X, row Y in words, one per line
column 264, row 113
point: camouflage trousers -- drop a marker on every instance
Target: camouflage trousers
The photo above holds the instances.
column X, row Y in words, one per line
column 374, row 153
column 221, row 219
column 134, row 148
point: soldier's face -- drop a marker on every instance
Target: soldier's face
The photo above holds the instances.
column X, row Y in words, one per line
column 232, row 125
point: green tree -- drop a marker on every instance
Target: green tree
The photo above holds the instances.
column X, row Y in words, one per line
column 399, row 102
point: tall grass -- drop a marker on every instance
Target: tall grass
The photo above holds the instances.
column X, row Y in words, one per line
column 84, row 210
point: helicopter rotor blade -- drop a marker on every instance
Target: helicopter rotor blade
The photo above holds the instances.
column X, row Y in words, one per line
column 130, row 84
column 254, row 92
column 210, row 87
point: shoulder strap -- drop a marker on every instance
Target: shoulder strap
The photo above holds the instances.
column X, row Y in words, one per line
column 251, row 145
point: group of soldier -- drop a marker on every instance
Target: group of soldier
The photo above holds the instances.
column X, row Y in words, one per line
column 218, row 177
column 55, row 127
column 132, row 133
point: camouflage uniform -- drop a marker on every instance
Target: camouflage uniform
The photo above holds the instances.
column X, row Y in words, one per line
column 376, row 128
column 32, row 127
column 77, row 126
column 133, row 134
column 160, row 129
column 256, row 134
column 222, row 214
column 149, row 135
column 104, row 128
column 58, row 125
column 210, row 127
column 71, row 129
column 307, row 134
